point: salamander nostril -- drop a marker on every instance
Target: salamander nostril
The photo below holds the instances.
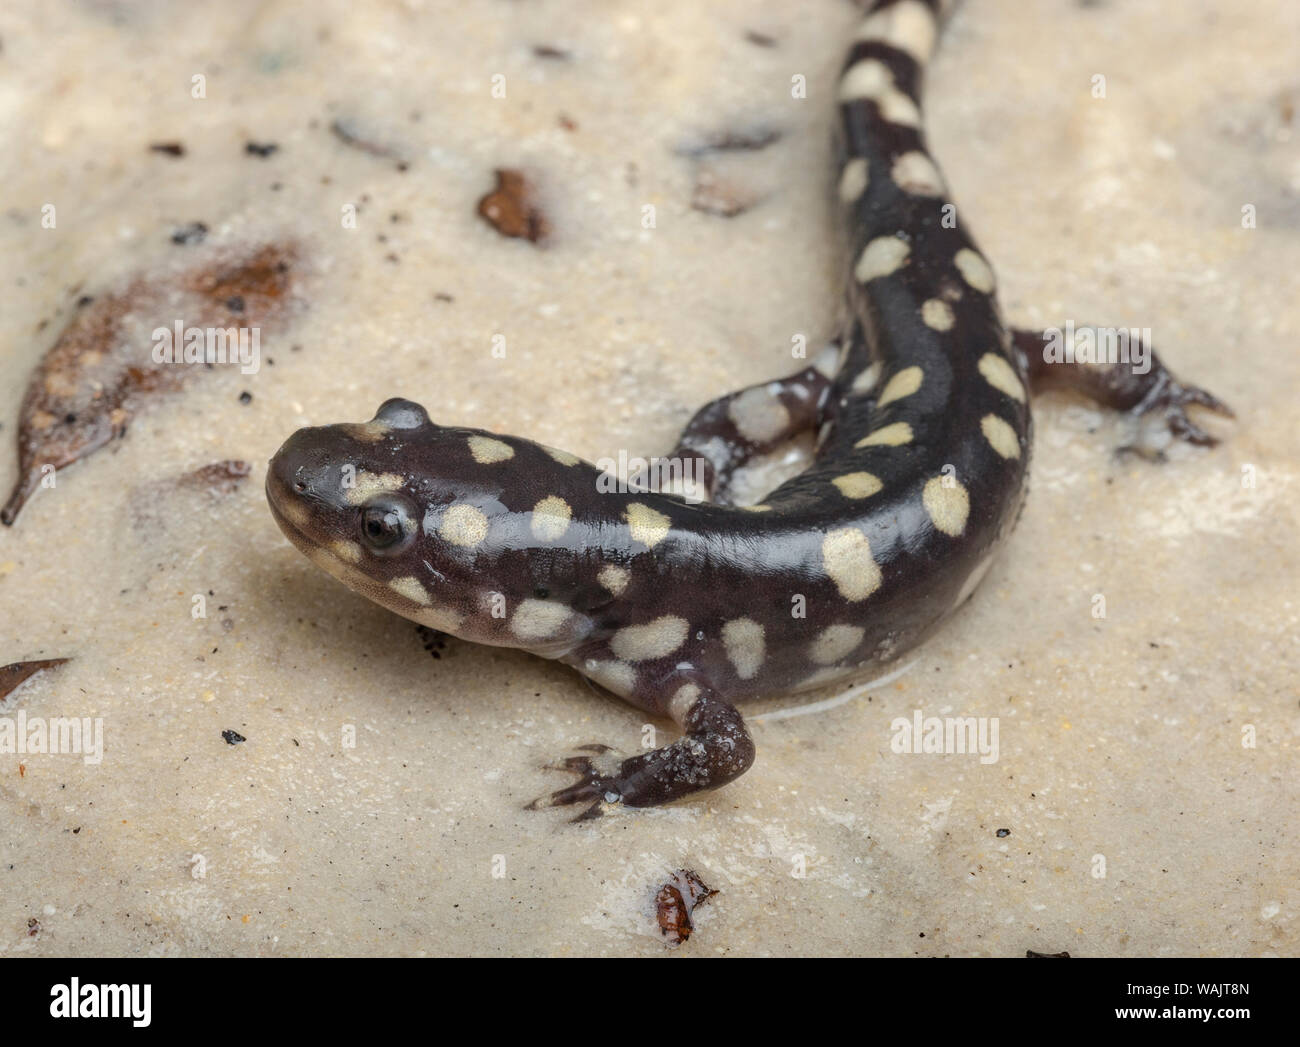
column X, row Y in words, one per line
column 300, row 486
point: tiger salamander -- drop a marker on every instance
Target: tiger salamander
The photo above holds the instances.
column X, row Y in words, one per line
column 684, row 609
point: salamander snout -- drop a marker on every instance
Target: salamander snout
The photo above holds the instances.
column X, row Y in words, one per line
column 322, row 463
column 300, row 468
column 313, row 463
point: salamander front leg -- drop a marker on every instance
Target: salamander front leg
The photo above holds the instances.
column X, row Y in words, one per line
column 728, row 432
column 1141, row 386
column 714, row 749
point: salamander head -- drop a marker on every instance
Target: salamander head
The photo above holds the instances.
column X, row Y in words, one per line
column 427, row 521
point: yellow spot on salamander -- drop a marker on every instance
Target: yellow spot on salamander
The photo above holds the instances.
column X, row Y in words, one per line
column 858, row 485
column 947, row 503
column 882, row 256
column 744, row 641
column 539, row 619
column 347, row 551
column 872, row 79
column 656, row 639
column 869, row 78
column 893, row 435
column 463, row 525
column 974, row 270
column 614, row 578
column 1000, row 435
column 908, row 26
column 905, row 383
column 679, row 705
column 443, row 619
column 487, row 451
column 410, row 587
column 618, row 677
column 835, row 642
column 897, row 108
column 915, row 173
column 867, row 379
column 368, row 485
column 648, row 526
column 999, row 374
column 937, row 314
column 853, row 181
column 758, row 415
column 551, row 518
column 846, row 555
column 367, row 432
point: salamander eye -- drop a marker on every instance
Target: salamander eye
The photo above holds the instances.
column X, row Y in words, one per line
column 386, row 525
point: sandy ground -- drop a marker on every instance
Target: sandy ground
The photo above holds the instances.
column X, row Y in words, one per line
column 1127, row 813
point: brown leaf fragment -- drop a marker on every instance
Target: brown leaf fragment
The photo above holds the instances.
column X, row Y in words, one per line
column 676, row 900
column 721, row 196
column 256, row 284
column 511, row 210
column 17, row 673
column 218, row 477
column 101, row 370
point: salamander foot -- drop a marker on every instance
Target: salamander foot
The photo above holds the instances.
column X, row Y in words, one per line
column 1162, row 415
column 715, row 749
column 1148, row 392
